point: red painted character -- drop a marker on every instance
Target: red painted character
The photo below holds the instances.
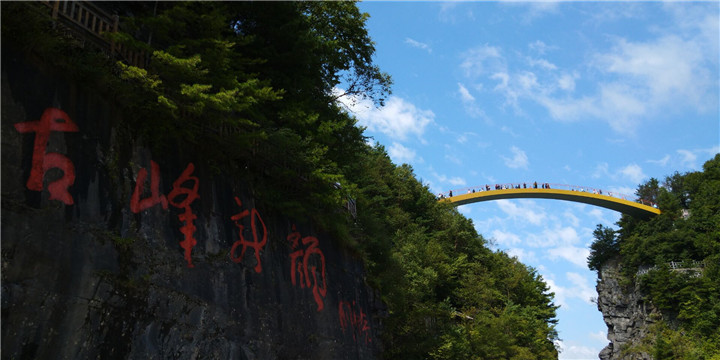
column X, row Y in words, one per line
column 191, row 194
column 295, row 267
column 52, row 119
column 304, row 269
column 255, row 244
column 355, row 320
column 137, row 205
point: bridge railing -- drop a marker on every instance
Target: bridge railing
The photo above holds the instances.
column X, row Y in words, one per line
column 695, row 267
column 535, row 185
column 90, row 22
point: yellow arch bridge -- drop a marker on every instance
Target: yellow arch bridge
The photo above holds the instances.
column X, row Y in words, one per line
column 582, row 194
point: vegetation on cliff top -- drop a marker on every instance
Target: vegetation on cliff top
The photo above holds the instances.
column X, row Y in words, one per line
column 250, row 88
column 687, row 231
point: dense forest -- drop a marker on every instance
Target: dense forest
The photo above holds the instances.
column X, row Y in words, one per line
column 252, row 88
column 687, row 232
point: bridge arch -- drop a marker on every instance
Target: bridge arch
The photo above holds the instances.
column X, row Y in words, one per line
column 582, row 194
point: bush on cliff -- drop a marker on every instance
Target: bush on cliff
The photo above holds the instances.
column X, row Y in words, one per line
column 688, row 232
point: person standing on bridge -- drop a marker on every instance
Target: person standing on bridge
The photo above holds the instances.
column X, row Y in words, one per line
column 535, row 185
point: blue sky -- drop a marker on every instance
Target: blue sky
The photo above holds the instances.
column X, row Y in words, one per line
column 600, row 94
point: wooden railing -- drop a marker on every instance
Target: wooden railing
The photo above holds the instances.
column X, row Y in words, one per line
column 92, row 22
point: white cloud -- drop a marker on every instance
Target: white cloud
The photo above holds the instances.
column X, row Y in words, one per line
column 463, row 138
column 566, row 82
column 636, row 82
column 560, row 292
column 401, row 154
column 566, row 108
column 528, row 81
column 643, row 80
column 571, row 218
column 662, row 162
column 419, row 45
column 573, row 254
column 597, row 214
column 453, row 159
column 456, row 181
column 471, row 107
column 444, row 179
column 505, row 238
column 621, row 106
column 398, row 119
column 443, row 183
column 541, row 63
column 689, row 158
column 519, row 159
column 523, row 210
column 582, row 289
column 572, row 351
column 554, row 237
column 540, row 47
column 535, row 9
column 449, row 12
column 633, row 172
column 465, row 95
column 600, row 336
column 579, row 289
column 509, row 130
column 668, row 67
column 523, row 255
column 601, row 170
column 482, row 60
column 511, row 94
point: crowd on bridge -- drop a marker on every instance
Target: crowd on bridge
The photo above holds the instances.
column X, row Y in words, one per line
column 500, row 187
column 535, row 185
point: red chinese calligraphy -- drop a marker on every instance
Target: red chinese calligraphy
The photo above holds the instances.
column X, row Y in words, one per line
column 136, row 204
column 255, row 244
column 52, row 119
column 352, row 317
column 304, row 269
column 191, row 194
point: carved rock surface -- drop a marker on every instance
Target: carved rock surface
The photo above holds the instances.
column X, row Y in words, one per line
column 626, row 314
column 96, row 280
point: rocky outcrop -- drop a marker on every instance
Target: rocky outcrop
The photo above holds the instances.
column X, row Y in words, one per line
column 626, row 313
column 109, row 252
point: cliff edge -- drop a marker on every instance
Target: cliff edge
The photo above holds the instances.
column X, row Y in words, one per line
column 627, row 315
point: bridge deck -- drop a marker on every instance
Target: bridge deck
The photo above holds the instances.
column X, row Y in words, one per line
column 609, row 202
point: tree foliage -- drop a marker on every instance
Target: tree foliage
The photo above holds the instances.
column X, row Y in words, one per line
column 448, row 295
column 251, row 89
column 687, row 230
column 604, row 247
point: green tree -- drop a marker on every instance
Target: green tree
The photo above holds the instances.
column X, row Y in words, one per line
column 252, row 87
column 604, row 247
column 648, row 191
column 687, row 230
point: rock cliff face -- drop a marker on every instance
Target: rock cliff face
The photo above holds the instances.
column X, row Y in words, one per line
column 625, row 312
column 108, row 252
